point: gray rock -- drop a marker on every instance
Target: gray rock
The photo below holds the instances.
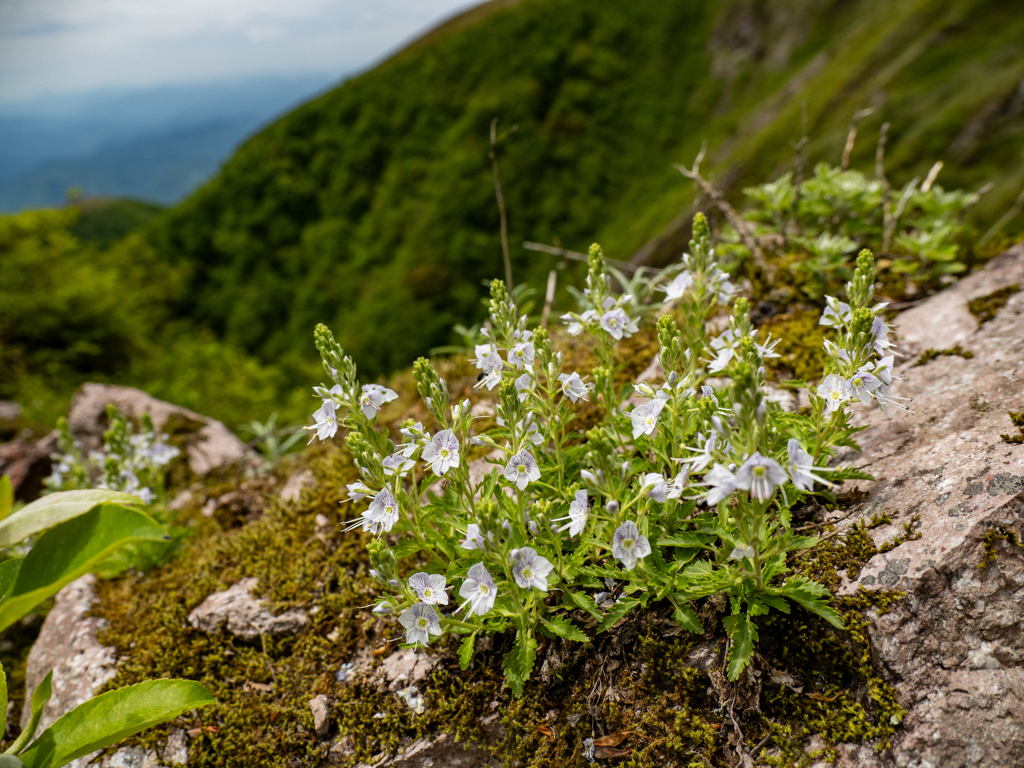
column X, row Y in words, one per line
column 213, row 445
column 321, row 713
column 405, row 667
column 10, row 411
column 292, row 490
column 67, row 644
column 954, row 647
column 243, row 615
column 440, row 752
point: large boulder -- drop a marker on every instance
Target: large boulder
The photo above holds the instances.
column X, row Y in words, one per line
column 953, row 486
column 208, row 443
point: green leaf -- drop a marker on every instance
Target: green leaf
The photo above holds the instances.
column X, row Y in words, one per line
column 466, row 651
column 10, row 761
column 8, row 573
column 792, row 383
column 812, row 596
column 3, row 702
column 111, row 717
column 581, row 600
column 683, row 540
column 72, row 549
column 56, row 508
column 6, row 497
column 687, row 619
column 519, row 662
column 620, row 609
column 562, row 627
column 743, row 634
column 40, row 696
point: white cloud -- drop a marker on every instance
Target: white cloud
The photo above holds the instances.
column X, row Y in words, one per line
column 77, row 45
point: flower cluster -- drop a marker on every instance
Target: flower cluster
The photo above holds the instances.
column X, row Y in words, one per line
column 129, row 461
column 686, row 495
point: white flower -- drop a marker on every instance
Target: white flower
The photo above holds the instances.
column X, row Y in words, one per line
column 705, row 452
column 573, row 386
column 801, row 467
column 147, row 496
column 474, row 539
column 618, row 324
column 372, row 398
column 531, row 570
column 836, row 313
column 487, row 357
column 706, row 391
column 654, row 485
column 358, row 490
column 835, row 390
column 674, row 488
column 524, row 385
column 721, row 361
column 161, row 453
column 579, row 512
column 420, row 622
column 326, row 425
column 397, row 464
column 522, row 355
column 382, row 513
column 429, row 588
column 862, row 384
column 478, row 590
column 522, row 469
column 760, row 475
column 442, row 452
column 742, row 553
column 679, row 285
column 629, row 546
column 645, row 417
column 721, row 483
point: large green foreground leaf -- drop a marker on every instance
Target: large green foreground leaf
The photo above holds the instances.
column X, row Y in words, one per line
column 53, row 509
column 72, row 549
column 111, row 717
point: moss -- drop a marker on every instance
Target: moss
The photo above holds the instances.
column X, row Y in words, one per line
column 986, row 307
column 930, row 354
column 990, row 542
column 800, row 340
column 1017, row 417
column 14, row 649
column 909, row 534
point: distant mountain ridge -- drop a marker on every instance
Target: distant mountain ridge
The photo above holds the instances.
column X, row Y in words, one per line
column 157, row 143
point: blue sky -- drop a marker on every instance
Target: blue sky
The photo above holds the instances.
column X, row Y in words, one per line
column 50, row 47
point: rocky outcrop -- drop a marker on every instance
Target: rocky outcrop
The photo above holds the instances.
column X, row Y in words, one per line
column 67, row 644
column 209, row 444
column 244, row 616
column 954, row 646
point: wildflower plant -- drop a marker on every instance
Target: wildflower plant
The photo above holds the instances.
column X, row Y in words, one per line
column 129, row 461
column 683, row 493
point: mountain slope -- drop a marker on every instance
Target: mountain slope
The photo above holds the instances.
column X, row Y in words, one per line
column 372, row 208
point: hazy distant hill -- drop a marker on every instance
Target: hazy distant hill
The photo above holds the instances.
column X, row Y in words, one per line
column 372, row 207
column 159, row 144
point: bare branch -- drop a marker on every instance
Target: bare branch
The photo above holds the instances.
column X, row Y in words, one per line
column 501, row 199
column 549, row 298
column 932, row 175
column 574, row 255
column 890, row 227
column 742, row 227
column 883, row 136
column 851, row 137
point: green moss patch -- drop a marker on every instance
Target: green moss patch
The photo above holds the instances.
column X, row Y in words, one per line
column 1017, row 417
column 986, row 307
column 930, row 354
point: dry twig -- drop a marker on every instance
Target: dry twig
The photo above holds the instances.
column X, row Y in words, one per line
column 742, row 227
column 495, row 138
column 851, row 137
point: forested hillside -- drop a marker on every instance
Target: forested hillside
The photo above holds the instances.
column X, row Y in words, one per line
column 373, row 208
